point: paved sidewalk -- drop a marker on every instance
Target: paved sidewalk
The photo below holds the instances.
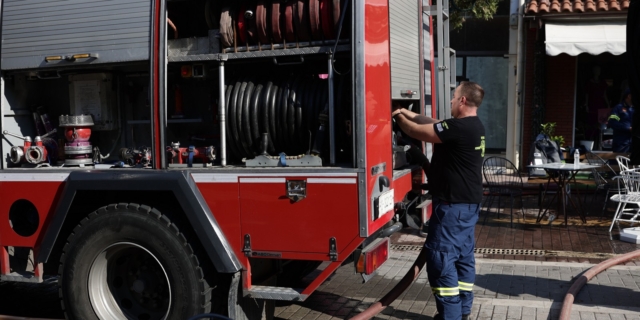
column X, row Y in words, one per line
column 505, row 289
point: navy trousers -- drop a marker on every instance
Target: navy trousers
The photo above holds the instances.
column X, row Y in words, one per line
column 450, row 262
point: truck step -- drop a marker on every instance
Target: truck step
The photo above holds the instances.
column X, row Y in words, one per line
column 21, row 277
column 275, row 293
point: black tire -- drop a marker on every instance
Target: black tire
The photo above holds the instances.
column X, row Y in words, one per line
column 136, row 258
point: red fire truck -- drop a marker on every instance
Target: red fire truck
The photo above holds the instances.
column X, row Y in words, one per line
column 172, row 158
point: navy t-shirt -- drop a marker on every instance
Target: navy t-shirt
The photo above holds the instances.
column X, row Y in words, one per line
column 455, row 174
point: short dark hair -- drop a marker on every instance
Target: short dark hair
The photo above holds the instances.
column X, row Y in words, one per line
column 472, row 91
column 625, row 94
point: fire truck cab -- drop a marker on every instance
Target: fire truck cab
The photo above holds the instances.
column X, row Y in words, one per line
column 171, row 158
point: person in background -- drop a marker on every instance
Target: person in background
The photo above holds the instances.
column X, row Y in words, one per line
column 620, row 121
column 455, row 183
column 595, row 99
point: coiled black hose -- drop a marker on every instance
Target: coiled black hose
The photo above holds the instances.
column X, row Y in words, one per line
column 286, row 110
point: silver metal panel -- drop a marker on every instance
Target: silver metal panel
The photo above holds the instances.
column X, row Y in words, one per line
column 162, row 74
column 426, row 56
column 404, row 43
column 188, row 46
column 114, row 30
column 274, row 293
column 177, row 56
column 359, row 104
column 443, row 68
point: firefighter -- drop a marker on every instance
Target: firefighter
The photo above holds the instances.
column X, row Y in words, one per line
column 455, row 183
column 620, row 121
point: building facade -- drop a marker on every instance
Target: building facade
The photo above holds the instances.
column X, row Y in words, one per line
column 574, row 68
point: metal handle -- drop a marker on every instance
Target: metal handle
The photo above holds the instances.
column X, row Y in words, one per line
column 7, row 133
column 275, row 61
column 50, row 74
column 50, row 133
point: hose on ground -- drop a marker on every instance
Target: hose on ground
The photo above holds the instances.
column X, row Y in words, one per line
column 406, row 281
column 565, row 312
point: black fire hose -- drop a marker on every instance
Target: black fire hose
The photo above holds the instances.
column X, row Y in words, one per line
column 406, row 281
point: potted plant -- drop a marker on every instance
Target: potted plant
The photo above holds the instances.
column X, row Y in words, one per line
column 549, row 129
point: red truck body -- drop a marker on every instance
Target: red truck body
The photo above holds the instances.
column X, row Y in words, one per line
column 281, row 213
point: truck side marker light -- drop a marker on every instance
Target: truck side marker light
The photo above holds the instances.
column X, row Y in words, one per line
column 81, row 56
column 186, row 71
column 52, row 58
column 373, row 256
column 71, row 58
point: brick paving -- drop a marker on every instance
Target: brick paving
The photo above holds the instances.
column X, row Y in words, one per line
column 504, row 289
column 508, row 286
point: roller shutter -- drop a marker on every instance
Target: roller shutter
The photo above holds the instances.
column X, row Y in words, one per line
column 404, row 29
column 112, row 30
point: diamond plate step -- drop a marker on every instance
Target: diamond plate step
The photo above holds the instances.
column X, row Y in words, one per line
column 20, row 277
column 275, row 293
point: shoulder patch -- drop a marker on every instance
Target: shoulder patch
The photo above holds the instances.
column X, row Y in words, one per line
column 439, row 127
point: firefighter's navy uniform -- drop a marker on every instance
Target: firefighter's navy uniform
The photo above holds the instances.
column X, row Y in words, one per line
column 450, row 260
column 455, row 182
column 620, row 121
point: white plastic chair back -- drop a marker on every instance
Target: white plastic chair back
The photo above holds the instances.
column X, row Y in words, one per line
column 624, row 163
column 631, row 181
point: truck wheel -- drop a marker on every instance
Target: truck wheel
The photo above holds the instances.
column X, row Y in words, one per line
column 127, row 261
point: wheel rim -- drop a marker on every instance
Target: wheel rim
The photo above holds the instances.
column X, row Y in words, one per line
column 126, row 281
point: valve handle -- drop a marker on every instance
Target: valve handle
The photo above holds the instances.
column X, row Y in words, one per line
column 49, row 133
column 7, row 133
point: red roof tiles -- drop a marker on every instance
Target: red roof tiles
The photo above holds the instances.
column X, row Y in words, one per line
column 575, row 6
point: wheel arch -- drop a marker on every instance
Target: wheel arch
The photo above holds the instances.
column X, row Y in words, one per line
column 171, row 192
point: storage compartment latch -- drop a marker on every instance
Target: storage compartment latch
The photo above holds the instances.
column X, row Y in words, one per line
column 333, row 249
column 296, row 190
column 247, row 245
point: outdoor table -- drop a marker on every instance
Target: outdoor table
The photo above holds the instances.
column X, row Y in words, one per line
column 562, row 173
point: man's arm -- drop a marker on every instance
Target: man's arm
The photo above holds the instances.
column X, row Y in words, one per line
column 614, row 120
column 417, row 118
column 422, row 130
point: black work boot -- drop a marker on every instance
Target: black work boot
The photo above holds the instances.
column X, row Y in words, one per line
column 466, row 317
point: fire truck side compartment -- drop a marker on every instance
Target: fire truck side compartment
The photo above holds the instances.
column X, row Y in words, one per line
column 111, row 31
column 404, row 48
column 186, row 192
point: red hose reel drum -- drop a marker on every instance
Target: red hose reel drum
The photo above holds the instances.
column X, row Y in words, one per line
column 77, row 128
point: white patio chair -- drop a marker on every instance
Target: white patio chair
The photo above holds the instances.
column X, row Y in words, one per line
column 606, row 179
column 629, row 202
column 624, row 163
